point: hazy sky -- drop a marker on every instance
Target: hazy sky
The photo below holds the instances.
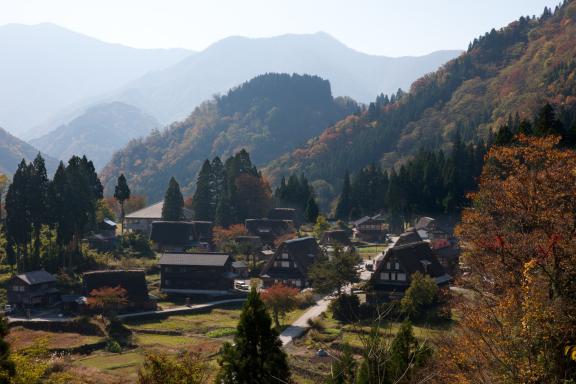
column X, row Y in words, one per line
column 388, row 27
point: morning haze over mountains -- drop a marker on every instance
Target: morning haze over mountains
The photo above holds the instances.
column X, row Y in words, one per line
column 66, row 93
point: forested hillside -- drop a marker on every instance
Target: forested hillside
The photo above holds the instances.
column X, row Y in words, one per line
column 13, row 150
column 97, row 133
column 513, row 71
column 268, row 116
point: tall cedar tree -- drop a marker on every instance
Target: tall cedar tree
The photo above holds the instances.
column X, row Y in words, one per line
column 294, row 194
column 312, row 211
column 18, row 224
column 7, row 367
column 173, row 207
column 37, row 195
column 202, row 200
column 85, row 191
column 256, row 357
column 344, row 205
column 121, row 194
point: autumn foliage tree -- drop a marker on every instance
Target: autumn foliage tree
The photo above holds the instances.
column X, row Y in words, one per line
column 107, row 299
column 189, row 367
column 521, row 250
column 280, row 299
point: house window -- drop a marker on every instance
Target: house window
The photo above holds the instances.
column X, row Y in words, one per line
column 285, row 256
column 18, row 288
column 297, row 283
column 388, row 265
column 384, row 276
column 285, row 264
column 401, row 276
column 397, row 266
column 167, row 283
column 295, row 265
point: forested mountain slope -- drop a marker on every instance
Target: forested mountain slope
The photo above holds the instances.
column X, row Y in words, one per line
column 268, row 116
column 97, row 133
column 13, row 150
column 507, row 72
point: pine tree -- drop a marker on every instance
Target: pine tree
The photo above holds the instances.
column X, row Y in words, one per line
column 312, row 211
column 121, row 194
column 344, row 201
column 7, row 367
column 256, row 356
column 173, row 207
column 202, row 200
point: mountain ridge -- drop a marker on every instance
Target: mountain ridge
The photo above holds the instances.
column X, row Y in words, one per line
column 46, row 68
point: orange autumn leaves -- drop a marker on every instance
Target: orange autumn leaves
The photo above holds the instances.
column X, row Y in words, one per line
column 520, row 248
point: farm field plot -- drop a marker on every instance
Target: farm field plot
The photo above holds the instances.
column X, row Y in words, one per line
column 20, row 338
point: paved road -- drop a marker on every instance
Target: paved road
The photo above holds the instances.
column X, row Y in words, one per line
column 298, row 327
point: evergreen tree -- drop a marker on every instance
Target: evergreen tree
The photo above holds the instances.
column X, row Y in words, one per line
column 37, row 195
column 84, row 192
column 173, row 207
column 546, row 122
column 344, row 205
column 224, row 216
column 256, row 356
column 7, row 367
column 343, row 370
column 202, row 200
column 217, row 182
column 18, row 220
column 312, row 211
column 121, row 194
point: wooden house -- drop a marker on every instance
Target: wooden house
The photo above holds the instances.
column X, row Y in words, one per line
column 408, row 237
column 31, row 289
column 282, row 214
column 289, row 264
column 373, row 229
column 133, row 281
column 335, row 237
column 141, row 220
column 178, row 236
column 269, row 230
column 392, row 274
column 196, row 273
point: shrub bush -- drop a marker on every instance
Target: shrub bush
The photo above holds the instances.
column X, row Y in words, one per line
column 113, row 346
column 306, row 299
column 346, row 308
